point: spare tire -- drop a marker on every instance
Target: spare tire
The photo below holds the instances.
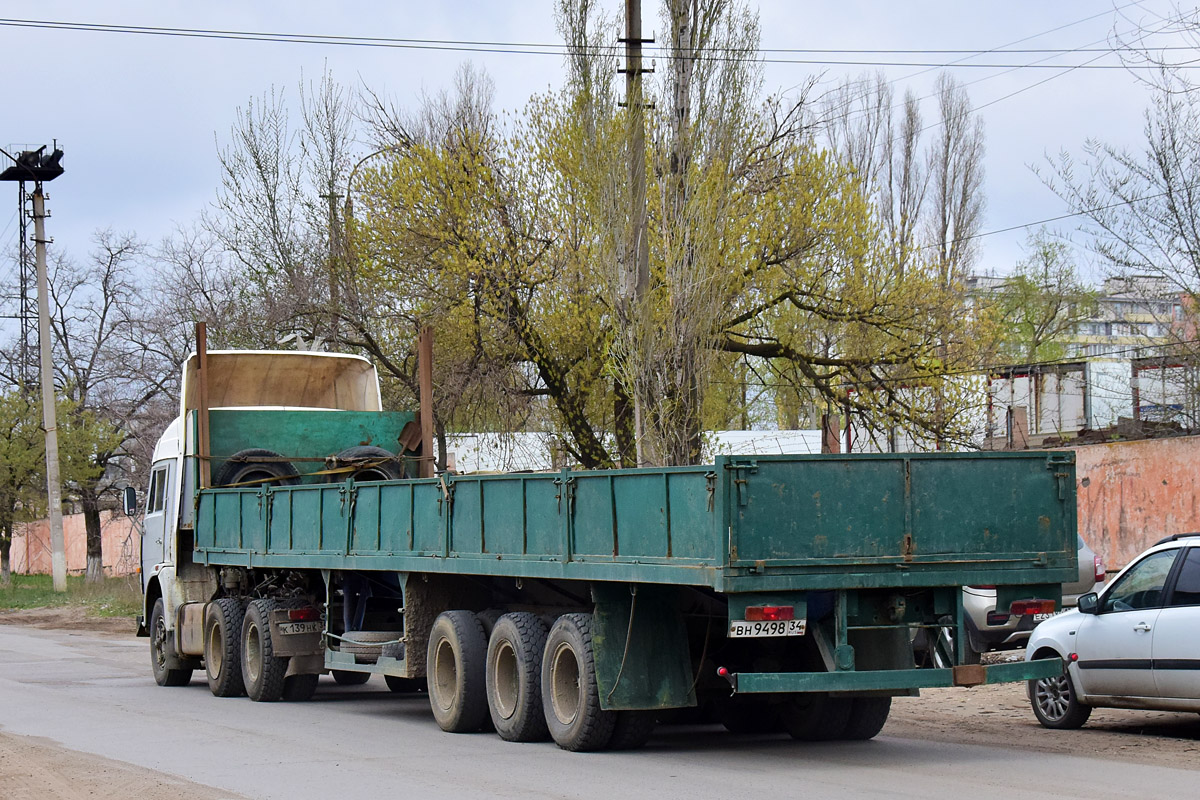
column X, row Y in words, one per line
column 370, row 463
column 257, row 465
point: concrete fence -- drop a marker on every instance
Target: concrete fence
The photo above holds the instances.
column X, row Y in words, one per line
column 121, row 545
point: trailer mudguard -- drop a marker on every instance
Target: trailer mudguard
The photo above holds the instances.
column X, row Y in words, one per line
column 641, row 648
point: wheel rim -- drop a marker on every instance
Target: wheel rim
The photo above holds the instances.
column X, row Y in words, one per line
column 566, row 695
column 160, row 644
column 445, row 674
column 1053, row 697
column 506, row 679
column 215, row 655
column 253, row 645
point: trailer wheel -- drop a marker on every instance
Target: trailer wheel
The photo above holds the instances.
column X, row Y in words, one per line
column 745, row 714
column 867, row 717
column 222, row 647
column 456, row 662
column 256, row 464
column 159, row 655
column 569, row 691
column 371, row 464
column 298, row 688
column 400, row 685
column 344, row 677
column 816, row 718
column 632, row 730
column 262, row 670
column 514, row 677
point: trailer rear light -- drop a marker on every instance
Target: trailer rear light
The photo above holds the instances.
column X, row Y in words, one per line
column 304, row 615
column 770, row 613
column 1021, row 608
column 1099, row 566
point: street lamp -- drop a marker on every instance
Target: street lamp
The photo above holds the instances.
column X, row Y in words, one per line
column 36, row 166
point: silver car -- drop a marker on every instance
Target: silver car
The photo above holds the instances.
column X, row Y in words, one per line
column 991, row 629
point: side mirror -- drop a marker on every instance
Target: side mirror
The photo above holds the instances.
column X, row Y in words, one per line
column 129, row 501
column 1089, row 603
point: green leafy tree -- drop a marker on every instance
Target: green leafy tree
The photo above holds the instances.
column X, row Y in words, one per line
column 1042, row 302
column 22, row 468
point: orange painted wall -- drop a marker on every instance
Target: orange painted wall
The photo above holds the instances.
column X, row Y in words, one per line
column 1131, row 494
column 121, row 545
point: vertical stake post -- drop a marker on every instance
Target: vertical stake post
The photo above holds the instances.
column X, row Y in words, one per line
column 425, row 386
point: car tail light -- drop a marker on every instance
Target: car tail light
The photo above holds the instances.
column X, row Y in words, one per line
column 989, row 586
column 303, row 614
column 1099, row 566
column 769, row 613
column 1023, row 607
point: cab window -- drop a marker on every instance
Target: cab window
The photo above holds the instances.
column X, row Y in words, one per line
column 1142, row 586
column 157, row 496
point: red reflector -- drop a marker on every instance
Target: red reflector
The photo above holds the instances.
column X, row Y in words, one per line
column 1100, row 571
column 769, row 613
column 1022, row 607
column 722, row 671
column 1074, row 656
column 303, row 614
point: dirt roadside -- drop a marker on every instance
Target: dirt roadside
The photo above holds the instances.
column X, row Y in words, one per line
column 39, row 769
column 988, row 716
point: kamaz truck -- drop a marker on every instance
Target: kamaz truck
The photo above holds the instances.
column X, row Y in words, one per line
column 289, row 535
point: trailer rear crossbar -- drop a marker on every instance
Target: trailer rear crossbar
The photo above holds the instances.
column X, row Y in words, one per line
column 894, row 679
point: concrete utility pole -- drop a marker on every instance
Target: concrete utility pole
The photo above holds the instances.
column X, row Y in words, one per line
column 635, row 276
column 58, row 557
column 38, row 166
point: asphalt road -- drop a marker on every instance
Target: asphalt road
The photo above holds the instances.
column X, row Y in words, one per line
column 94, row 694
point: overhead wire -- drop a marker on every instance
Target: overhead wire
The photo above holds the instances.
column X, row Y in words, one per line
column 529, row 48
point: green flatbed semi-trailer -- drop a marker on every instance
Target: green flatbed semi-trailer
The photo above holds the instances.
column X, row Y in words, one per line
column 800, row 592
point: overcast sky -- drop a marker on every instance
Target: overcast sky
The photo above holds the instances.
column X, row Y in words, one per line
column 140, row 117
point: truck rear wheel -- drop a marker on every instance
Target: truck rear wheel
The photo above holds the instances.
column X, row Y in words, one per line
column 399, row 685
column 514, row 677
column 160, row 651
column 456, row 662
column 262, row 670
column 868, row 715
column 344, row 677
column 569, row 691
column 223, row 647
column 817, row 717
column 632, row 729
column 298, row 688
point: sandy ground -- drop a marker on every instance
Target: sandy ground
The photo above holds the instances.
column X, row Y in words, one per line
column 38, row 769
column 990, row 716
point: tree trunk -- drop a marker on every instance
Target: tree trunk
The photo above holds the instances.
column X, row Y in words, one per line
column 5, row 552
column 90, row 501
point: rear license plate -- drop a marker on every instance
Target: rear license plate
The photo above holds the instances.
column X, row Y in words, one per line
column 742, row 629
column 1048, row 615
column 300, row 627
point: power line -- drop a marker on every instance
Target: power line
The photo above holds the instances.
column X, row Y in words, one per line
column 527, row 48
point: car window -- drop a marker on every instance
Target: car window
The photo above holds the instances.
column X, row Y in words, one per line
column 1187, row 585
column 1142, row 586
column 158, row 491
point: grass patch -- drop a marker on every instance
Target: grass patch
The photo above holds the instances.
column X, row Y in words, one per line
column 112, row 597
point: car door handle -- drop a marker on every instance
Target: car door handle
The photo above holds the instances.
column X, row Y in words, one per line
column 1141, row 626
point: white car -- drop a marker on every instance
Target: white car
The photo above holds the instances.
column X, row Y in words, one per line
column 1135, row 645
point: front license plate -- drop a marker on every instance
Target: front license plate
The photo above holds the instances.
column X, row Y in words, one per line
column 742, row 629
column 300, row 627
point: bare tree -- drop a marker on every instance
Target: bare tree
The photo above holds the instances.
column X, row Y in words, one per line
column 100, row 368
